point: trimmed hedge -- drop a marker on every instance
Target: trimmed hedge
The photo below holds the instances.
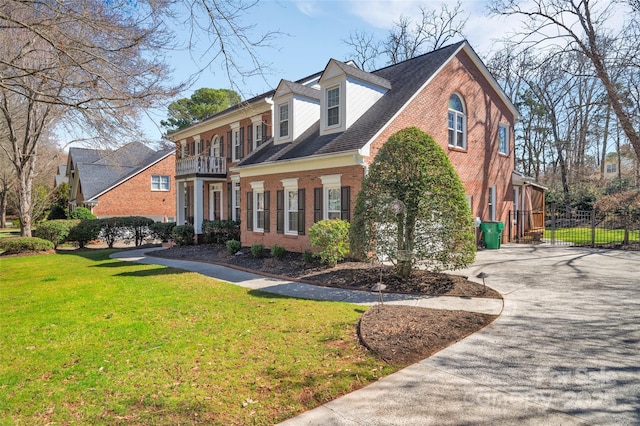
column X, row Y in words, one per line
column 56, row 231
column 85, row 231
column 220, row 231
column 183, row 235
column 81, row 213
column 21, row 245
column 162, row 231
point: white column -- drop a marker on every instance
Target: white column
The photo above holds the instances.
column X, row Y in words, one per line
column 198, row 205
column 180, row 185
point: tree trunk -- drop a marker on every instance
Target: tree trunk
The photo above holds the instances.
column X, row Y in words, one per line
column 3, row 209
column 25, row 202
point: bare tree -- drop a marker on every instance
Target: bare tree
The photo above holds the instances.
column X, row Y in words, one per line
column 408, row 38
column 366, row 49
column 584, row 26
column 90, row 64
column 90, row 67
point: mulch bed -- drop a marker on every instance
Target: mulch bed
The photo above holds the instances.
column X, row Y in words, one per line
column 400, row 335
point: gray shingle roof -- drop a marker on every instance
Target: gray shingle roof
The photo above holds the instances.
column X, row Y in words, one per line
column 405, row 78
column 99, row 170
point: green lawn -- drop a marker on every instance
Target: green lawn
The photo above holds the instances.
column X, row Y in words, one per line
column 9, row 232
column 583, row 235
column 88, row 339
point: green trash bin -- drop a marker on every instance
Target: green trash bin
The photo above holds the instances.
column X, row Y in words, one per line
column 492, row 232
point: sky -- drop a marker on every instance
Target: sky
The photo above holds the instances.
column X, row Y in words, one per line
column 310, row 33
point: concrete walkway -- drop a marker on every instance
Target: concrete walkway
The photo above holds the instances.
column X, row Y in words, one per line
column 566, row 349
column 307, row 291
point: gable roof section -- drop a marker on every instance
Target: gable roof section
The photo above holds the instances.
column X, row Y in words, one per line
column 357, row 73
column 100, row 170
column 406, row 79
column 298, row 89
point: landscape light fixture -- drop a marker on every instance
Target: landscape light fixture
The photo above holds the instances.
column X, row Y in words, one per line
column 483, row 275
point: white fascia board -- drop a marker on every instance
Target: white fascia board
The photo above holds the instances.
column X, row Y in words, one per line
column 316, row 162
column 126, row 178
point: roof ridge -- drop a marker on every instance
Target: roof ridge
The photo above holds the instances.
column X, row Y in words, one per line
column 422, row 55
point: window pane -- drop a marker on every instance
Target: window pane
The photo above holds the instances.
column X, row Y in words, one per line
column 333, row 116
column 333, row 97
column 334, row 215
column 460, row 123
column 333, row 199
column 293, row 221
column 451, row 120
column 284, row 128
column 455, row 103
column 259, row 201
column 460, row 140
column 452, row 137
column 292, row 197
column 284, row 112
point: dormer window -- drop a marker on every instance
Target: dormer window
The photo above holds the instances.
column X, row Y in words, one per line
column 333, row 106
column 283, row 117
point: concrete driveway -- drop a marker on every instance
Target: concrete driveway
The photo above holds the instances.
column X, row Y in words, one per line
column 566, row 350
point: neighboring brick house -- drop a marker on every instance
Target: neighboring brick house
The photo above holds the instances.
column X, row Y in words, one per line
column 323, row 132
column 133, row 180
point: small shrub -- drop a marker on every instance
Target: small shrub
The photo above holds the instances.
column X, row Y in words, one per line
column 233, row 246
column 56, row 231
column 57, row 212
column 85, row 231
column 21, row 245
column 183, row 235
column 331, row 236
column 257, row 250
column 220, row 231
column 15, row 223
column 81, row 213
column 308, row 256
column 162, row 231
column 278, row 252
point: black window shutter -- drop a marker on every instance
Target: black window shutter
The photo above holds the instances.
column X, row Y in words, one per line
column 241, row 143
column 221, row 146
column 345, row 203
column 267, row 202
column 229, row 200
column 301, row 203
column 229, row 146
column 317, row 204
column 250, row 211
column 249, row 139
column 280, row 211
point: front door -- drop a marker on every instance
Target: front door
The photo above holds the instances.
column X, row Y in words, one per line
column 215, row 202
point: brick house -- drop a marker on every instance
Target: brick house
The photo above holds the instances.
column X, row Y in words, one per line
column 299, row 153
column 133, row 180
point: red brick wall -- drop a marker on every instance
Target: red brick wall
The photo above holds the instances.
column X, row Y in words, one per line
column 134, row 197
column 351, row 176
column 480, row 165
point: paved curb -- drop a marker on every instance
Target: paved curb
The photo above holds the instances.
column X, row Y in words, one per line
column 301, row 290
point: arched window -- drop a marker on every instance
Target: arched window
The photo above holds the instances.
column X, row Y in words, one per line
column 215, row 147
column 457, row 123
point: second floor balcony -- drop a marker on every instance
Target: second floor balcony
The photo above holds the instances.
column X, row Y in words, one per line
column 201, row 164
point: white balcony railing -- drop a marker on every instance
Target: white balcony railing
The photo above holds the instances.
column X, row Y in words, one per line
column 204, row 164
